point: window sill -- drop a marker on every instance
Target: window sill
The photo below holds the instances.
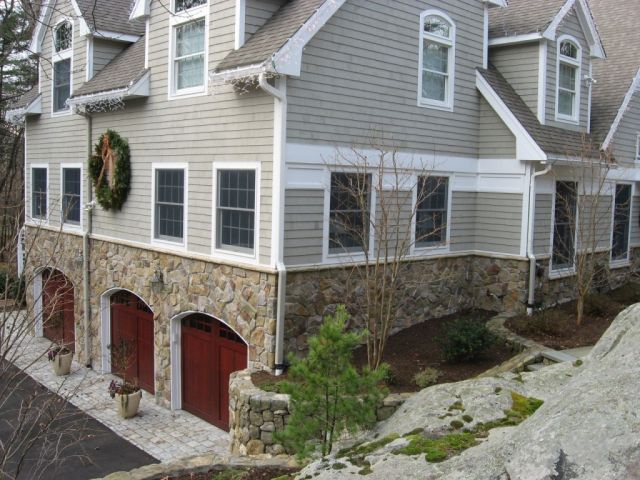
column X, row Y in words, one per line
column 420, row 251
column 232, row 255
column 168, row 244
column 569, row 120
column 61, row 113
column 443, row 107
column 623, row 263
column 199, row 92
column 562, row 273
column 72, row 227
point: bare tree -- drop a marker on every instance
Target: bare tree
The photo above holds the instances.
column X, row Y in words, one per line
column 382, row 209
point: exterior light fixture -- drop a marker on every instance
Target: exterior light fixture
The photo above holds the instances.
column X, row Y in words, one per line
column 157, row 281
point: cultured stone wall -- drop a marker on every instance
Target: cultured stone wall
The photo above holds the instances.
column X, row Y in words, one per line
column 255, row 415
column 242, row 298
column 428, row 289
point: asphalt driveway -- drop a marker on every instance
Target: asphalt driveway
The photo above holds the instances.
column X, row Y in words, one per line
column 45, row 437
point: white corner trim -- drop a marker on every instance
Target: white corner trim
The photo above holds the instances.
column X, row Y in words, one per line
column 498, row 3
column 288, row 60
column 510, row 40
column 89, row 59
column 140, row 9
column 485, row 37
column 526, row 147
column 240, row 23
column 586, row 21
column 635, row 87
column 542, row 82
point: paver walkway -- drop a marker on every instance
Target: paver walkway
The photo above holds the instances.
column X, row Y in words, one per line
column 163, row 434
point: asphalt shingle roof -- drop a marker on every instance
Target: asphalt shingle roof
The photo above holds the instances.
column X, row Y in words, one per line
column 522, row 17
column 618, row 26
column 552, row 140
column 272, row 35
column 123, row 71
column 111, row 16
column 25, row 99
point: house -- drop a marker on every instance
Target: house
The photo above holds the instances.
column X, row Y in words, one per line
column 240, row 116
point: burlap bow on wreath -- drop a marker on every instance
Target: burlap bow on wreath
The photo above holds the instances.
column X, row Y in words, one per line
column 110, row 170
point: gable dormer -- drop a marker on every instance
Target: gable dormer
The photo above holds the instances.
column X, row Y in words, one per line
column 544, row 49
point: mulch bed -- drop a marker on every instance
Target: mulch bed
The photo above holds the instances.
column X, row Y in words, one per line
column 557, row 327
column 416, row 348
column 230, row 473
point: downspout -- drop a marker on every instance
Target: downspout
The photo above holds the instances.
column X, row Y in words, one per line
column 86, row 251
column 277, row 214
column 531, row 224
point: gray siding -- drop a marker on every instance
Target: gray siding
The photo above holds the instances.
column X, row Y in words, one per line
column 519, row 64
column 542, row 226
column 103, row 52
column 257, row 12
column 594, row 226
column 360, row 74
column 199, row 131
column 625, row 141
column 304, row 210
column 61, row 139
column 463, row 221
column 495, row 139
column 570, row 26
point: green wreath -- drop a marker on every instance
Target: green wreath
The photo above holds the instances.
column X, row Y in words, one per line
column 110, row 170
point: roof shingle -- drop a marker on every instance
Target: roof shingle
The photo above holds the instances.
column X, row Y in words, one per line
column 122, row 72
column 273, row 35
column 25, row 99
column 522, row 17
column 111, row 16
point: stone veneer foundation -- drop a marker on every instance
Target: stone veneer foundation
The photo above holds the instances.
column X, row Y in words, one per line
column 244, row 299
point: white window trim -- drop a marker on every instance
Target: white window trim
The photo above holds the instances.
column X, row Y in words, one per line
column 621, row 262
column 435, row 249
column 346, row 257
column 72, row 227
column 637, row 159
column 31, row 218
column 570, row 271
column 176, row 20
column 177, row 245
column 447, row 105
column 575, row 119
column 223, row 253
column 59, row 56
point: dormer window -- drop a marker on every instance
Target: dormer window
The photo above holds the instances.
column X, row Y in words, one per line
column 62, row 53
column 568, row 84
column 189, row 48
column 437, row 60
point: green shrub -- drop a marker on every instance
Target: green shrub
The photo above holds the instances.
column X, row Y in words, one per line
column 427, row 377
column 465, row 339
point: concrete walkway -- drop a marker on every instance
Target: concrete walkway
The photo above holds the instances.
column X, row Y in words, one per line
column 163, row 434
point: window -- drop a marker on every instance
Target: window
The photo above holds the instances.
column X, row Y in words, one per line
column 169, row 204
column 182, row 5
column 349, row 212
column 564, row 229
column 431, row 211
column 437, row 58
column 236, row 209
column 62, row 47
column 71, row 191
column 39, row 193
column 621, row 223
column 568, row 92
column 189, row 39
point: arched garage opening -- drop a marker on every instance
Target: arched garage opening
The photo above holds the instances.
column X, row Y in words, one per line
column 205, row 351
column 127, row 323
column 58, row 317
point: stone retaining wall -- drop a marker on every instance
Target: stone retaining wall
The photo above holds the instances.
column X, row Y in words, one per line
column 242, row 298
column 255, row 416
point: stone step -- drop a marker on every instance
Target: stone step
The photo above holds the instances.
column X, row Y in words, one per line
column 558, row 357
column 534, row 367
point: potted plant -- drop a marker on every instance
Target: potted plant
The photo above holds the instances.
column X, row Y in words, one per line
column 60, row 357
column 126, row 393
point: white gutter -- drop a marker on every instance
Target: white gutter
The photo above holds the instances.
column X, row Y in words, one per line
column 530, row 227
column 277, row 214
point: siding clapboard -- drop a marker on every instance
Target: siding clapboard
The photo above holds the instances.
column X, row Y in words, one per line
column 542, row 226
column 519, row 64
column 257, row 12
column 304, row 211
column 625, row 141
column 103, row 52
column 495, row 139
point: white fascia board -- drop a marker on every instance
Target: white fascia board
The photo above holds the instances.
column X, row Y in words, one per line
column 41, row 27
column 118, row 37
column 497, row 3
column 17, row 115
column 529, row 37
column 219, row 78
column 633, row 89
column 141, row 88
column 288, row 60
column 526, row 147
column 84, row 27
column 586, row 21
column 141, row 9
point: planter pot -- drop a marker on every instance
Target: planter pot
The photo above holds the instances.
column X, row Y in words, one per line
column 62, row 364
column 128, row 404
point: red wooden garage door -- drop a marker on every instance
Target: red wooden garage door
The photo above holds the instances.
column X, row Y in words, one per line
column 132, row 326
column 57, row 302
column 211, row 351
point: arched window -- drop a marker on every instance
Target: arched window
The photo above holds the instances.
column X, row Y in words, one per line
column 62, row 53
column 568, row 82
column 437, row 60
